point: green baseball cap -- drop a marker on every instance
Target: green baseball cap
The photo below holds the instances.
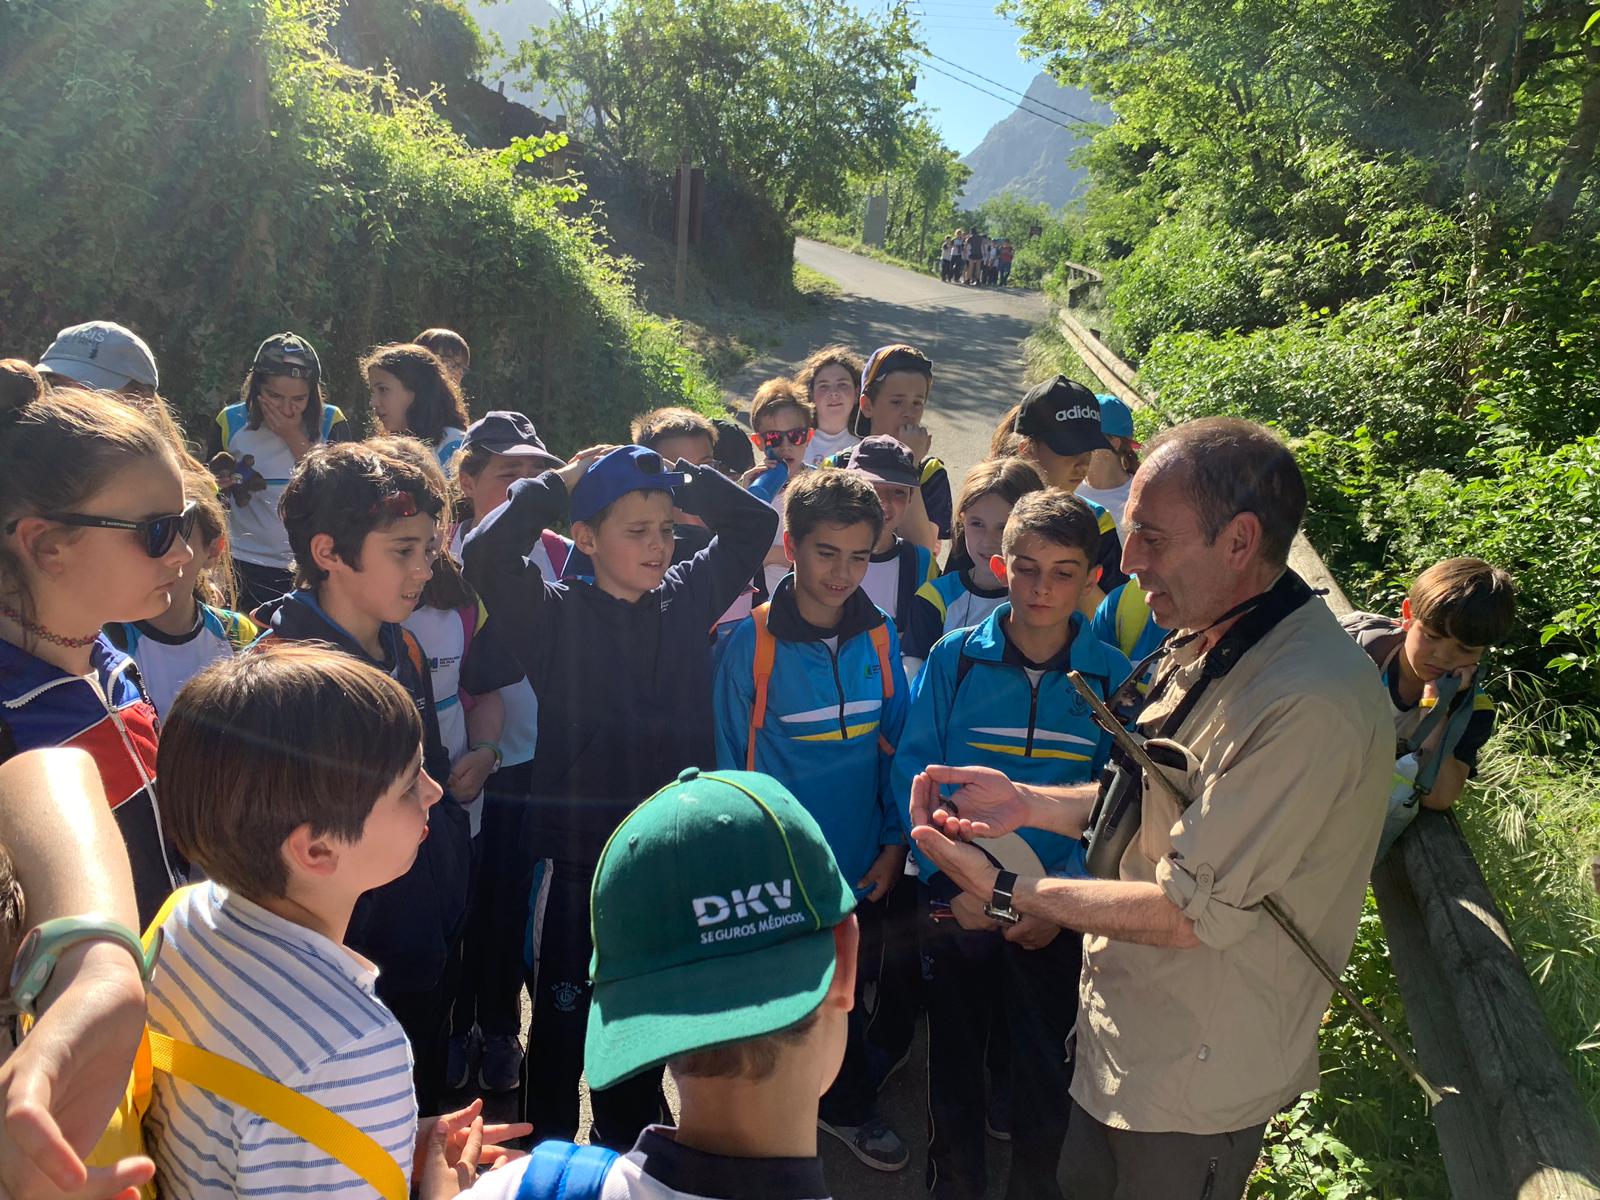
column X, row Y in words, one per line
column 713, row 913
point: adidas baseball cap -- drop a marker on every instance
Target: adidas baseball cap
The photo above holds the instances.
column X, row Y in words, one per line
column 713, row 912
column 101, row 354
column 287, row 354
column 616, row 473
column 1064, row 415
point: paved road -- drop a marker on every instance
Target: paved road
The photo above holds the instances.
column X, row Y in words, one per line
column 973, row 335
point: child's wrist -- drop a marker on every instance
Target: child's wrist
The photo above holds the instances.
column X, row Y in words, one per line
column 493, row 748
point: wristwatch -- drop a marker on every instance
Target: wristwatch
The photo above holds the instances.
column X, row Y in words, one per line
column 43, row 946
column 999, row 906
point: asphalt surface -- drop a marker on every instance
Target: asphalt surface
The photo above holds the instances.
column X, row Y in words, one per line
column 974, row 337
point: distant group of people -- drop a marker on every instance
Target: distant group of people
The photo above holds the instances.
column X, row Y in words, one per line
column 739, row 748
column 975, row 259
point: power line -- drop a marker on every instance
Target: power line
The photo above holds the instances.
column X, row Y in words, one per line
column 1012, row 90
column 1004, row 99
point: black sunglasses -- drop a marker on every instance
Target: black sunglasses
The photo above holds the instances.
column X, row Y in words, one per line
column 159, row 532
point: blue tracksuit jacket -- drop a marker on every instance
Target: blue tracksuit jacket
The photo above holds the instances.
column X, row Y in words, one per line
column 827, row 719
column 975, row 705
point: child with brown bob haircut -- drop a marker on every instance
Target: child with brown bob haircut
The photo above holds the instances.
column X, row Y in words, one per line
column 831, row 379
column 262, row 790
column 1431, row 660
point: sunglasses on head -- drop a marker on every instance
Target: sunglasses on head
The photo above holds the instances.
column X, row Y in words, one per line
column 396, row 506
column 773, row 438
column 159, row 533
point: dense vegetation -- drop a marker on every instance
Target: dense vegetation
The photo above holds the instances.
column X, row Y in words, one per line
column 1376, row 227
column 211, row 173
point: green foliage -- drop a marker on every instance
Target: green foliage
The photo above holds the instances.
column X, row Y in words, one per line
column 425, row 42
column 923, row 181
column 210, row 173
column 785, row 98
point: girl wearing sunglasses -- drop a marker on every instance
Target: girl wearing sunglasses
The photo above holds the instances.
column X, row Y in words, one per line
column 92, row 530
column 784, row 421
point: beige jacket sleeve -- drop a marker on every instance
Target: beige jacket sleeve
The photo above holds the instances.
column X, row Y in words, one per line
column 1257, row 812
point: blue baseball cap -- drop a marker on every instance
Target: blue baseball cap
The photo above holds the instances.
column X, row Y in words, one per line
column 614, row 474
column 1116, row 418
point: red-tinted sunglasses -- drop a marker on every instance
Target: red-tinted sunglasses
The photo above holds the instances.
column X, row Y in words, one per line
column 773, row 438
column 396, row 506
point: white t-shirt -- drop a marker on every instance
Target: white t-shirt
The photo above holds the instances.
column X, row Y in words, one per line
column 1113, row 500
column 450, row 439
column 882, row 582
column 443, row 635
column 825, row 444
column 242, row 982
column 255, row 532
column 166, row 662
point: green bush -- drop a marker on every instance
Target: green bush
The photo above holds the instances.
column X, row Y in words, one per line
column 209, row 173
column 1188, row 274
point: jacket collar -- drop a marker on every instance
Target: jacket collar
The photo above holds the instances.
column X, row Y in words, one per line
column 787, row 625
column 299, row 617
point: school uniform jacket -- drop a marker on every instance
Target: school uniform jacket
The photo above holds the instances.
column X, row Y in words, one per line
column 952, row 601
column 109, row 715
column 406, row 927
column 624, row 688
column 975, row 705
column 830, row 726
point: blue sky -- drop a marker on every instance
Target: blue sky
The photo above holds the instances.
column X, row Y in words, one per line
column 971, row 33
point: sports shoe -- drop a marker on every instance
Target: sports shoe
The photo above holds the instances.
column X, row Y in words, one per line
column 462, row 1059
column 874, row 1143
column 500, row 1069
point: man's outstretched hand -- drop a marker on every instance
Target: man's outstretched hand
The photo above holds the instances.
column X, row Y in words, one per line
column 986, row 804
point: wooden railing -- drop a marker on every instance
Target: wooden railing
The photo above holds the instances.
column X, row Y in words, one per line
column 1514, row 1126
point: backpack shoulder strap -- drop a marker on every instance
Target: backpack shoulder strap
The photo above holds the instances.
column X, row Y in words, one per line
column 563, row 1171
column 1381, row 637
column 557, row 551
column 1133, row 614
column 913, row 574
column 880, row 642
column 414, row 652
column 284, row 1107
column 766, row 654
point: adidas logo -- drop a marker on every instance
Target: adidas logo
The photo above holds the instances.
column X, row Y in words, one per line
column 1078, row 412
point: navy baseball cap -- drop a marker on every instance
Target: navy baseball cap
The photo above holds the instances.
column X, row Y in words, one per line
column 505, row 432
column 883, row 459
column 1064, row 415
column 616, row 473
column 287, row 354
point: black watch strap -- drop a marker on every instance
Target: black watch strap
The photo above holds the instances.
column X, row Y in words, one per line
column 1004, row 885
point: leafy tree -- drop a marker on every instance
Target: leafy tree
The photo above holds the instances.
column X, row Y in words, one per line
column 785, row 97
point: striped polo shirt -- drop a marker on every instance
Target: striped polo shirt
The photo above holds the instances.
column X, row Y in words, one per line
column 242, row 982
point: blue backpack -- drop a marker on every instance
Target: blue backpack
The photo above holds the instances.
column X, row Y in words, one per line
column 564, row 1171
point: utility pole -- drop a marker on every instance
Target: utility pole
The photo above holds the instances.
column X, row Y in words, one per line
column 679, row 281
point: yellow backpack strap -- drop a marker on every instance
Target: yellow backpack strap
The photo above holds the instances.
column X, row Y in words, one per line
column 1133, row 614
column 284, row 1107
column 761, row 670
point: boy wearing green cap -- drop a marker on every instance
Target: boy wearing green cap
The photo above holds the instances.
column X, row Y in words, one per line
column 725, row 948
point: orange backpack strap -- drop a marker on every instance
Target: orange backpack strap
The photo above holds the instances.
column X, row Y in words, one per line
column 761, row 670
column 880, row 643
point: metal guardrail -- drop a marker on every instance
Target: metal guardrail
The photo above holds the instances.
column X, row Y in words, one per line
column 1515, row 1125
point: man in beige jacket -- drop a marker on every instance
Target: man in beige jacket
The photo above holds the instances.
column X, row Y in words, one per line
column 1198, row 1016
